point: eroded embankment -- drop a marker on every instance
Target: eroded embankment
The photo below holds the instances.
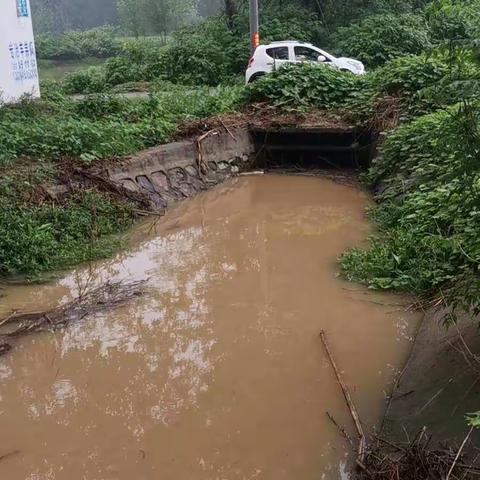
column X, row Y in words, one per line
column 217, row 370
column 440, row 383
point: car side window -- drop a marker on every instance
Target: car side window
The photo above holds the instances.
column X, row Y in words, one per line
column 305, row 54
column 278, row 53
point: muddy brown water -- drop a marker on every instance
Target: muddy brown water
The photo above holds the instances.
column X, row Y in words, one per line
column 218, row 371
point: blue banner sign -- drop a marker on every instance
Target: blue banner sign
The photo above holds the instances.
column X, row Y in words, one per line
column 22, row 8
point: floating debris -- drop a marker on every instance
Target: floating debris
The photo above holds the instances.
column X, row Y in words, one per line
column 104, row 297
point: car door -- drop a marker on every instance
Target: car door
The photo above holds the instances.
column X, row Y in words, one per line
column 277, row 57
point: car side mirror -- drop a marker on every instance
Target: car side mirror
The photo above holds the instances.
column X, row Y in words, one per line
column 322, row 58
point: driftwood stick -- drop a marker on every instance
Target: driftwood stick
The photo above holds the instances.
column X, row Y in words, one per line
column 353, row 411
column 459, row 453
column 340, row 429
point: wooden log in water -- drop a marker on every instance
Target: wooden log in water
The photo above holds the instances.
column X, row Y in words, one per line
column 362, row 445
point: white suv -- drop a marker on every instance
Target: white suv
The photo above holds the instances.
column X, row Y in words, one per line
column 268, row 58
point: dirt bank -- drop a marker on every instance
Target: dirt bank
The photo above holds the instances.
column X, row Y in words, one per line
column 439, row 384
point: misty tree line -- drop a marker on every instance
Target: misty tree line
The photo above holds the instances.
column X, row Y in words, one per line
column 138, row 17
column 147, row 17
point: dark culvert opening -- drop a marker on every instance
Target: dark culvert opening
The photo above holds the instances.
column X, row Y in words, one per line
column 326, row 148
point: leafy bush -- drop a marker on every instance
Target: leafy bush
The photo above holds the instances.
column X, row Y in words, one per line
column 36, row 238
column 379, row 38
column 306, row 85
column 428, row 177
column 208, row 54
column 418, row 84
column 137, row 61
column 454, row 20
column 290, row 22
column 99, row 42
column 409, row 75
column 90, row 80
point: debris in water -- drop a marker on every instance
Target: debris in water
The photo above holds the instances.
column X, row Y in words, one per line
column 9, row 454
column 362, row 445
column 106, row 296
column 414, row 460
column 252, row 173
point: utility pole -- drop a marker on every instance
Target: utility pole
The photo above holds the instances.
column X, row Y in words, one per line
column 254, row 25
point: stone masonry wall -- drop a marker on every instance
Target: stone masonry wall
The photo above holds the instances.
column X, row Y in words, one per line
column 175, row 171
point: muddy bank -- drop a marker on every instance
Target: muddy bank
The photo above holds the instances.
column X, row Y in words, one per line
column 440, row 383
column 217, row 370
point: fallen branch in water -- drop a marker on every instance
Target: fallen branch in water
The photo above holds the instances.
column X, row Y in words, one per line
column 341, row 429
column 104, row 297
column 362, row 445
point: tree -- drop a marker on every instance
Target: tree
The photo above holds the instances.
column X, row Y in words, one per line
column 206, row 8
column 56, row 16
column 131, row 16
column 158, row 17
column 230, row 10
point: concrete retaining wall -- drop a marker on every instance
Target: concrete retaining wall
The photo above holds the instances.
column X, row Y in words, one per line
column 171, row 172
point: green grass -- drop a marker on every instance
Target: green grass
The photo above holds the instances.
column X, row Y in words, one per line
column 37, row 140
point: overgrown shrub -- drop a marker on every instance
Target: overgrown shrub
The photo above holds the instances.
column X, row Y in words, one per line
column 414, row 85
column 290, row 22
column 379, row 38
column 306, row 85
column 453, row 19
column 428, row 179
column 37, row 238
column 137, row 61
column 208, row 54
column 90, row 80
column 99, row 42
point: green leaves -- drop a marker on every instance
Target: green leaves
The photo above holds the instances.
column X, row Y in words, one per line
column 450, row 20
column 105, row 126
column 379, row 38
column 427, row 183
column 306, row 85
column 473, row 419
column 35, row 239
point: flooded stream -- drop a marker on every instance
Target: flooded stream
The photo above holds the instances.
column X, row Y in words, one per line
column 217, row 372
